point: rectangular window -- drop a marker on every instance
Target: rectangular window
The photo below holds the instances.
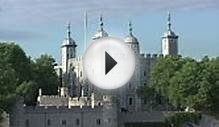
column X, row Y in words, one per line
column 144, row 73
column 98, row 121
column 27, row 123
column 48, row 122
column 64, row 122
column 130, row 85
column 80, row 73
column 77, row 122
column 67, row 55
column 130, row 101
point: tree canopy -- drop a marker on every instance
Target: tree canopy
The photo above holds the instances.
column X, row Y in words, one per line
column 186, row 82
column 16, row 58
column 181, row 119
column 45, row 75
column 21, row 76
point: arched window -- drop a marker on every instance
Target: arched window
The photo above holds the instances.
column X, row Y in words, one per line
column 99, row 104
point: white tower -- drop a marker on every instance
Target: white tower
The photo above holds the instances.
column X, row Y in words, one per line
column 169, row 40
column 68, row 51
column 129, row 99
column 132, row 41
column 101, row 32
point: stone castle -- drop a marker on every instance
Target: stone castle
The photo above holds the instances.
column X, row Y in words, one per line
column 81, row 104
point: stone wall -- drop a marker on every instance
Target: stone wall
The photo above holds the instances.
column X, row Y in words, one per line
column 142, row 117
column 63, row 116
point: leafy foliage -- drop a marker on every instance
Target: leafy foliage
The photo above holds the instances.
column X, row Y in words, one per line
column 187, row 82
column 20, row 76
column 13, row 54
column 27, row 89
column 45, row 75
column 164, row 71
column 182, row 118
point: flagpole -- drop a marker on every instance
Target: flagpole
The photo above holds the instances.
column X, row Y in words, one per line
column 85, row 30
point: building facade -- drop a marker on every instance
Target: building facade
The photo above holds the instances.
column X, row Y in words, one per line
column 80, row 104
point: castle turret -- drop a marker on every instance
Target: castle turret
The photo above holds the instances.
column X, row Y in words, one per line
column 169, row 40
column 68, row 51
column 101, row 32
column 132, row 41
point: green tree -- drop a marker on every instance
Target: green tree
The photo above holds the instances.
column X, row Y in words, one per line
column 45, row 75
column 19, row 76
column 194, row 85
column 180, row 119
column 211, row 70
column 13, row 54
column 8, row 83
column 184, row 85
column 14, row 69
column 163, row 71
column 27, row 90
column 186, row 82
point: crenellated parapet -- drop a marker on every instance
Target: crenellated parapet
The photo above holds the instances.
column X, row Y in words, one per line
column 58, row 109
column 80, row 102
column 152, row 56
column 52, row 100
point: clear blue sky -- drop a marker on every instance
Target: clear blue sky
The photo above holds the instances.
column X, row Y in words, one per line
column 39, row 25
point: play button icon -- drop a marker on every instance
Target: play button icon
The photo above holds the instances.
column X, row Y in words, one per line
column 108, row 63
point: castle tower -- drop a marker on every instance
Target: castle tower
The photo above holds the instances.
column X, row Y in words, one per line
column 132, row 41
column 68, row 50
column 169, row 40
column 101, row 32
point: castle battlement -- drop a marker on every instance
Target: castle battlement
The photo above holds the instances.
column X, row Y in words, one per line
column 58, row 109
column 53, row 97
column 149, row 56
